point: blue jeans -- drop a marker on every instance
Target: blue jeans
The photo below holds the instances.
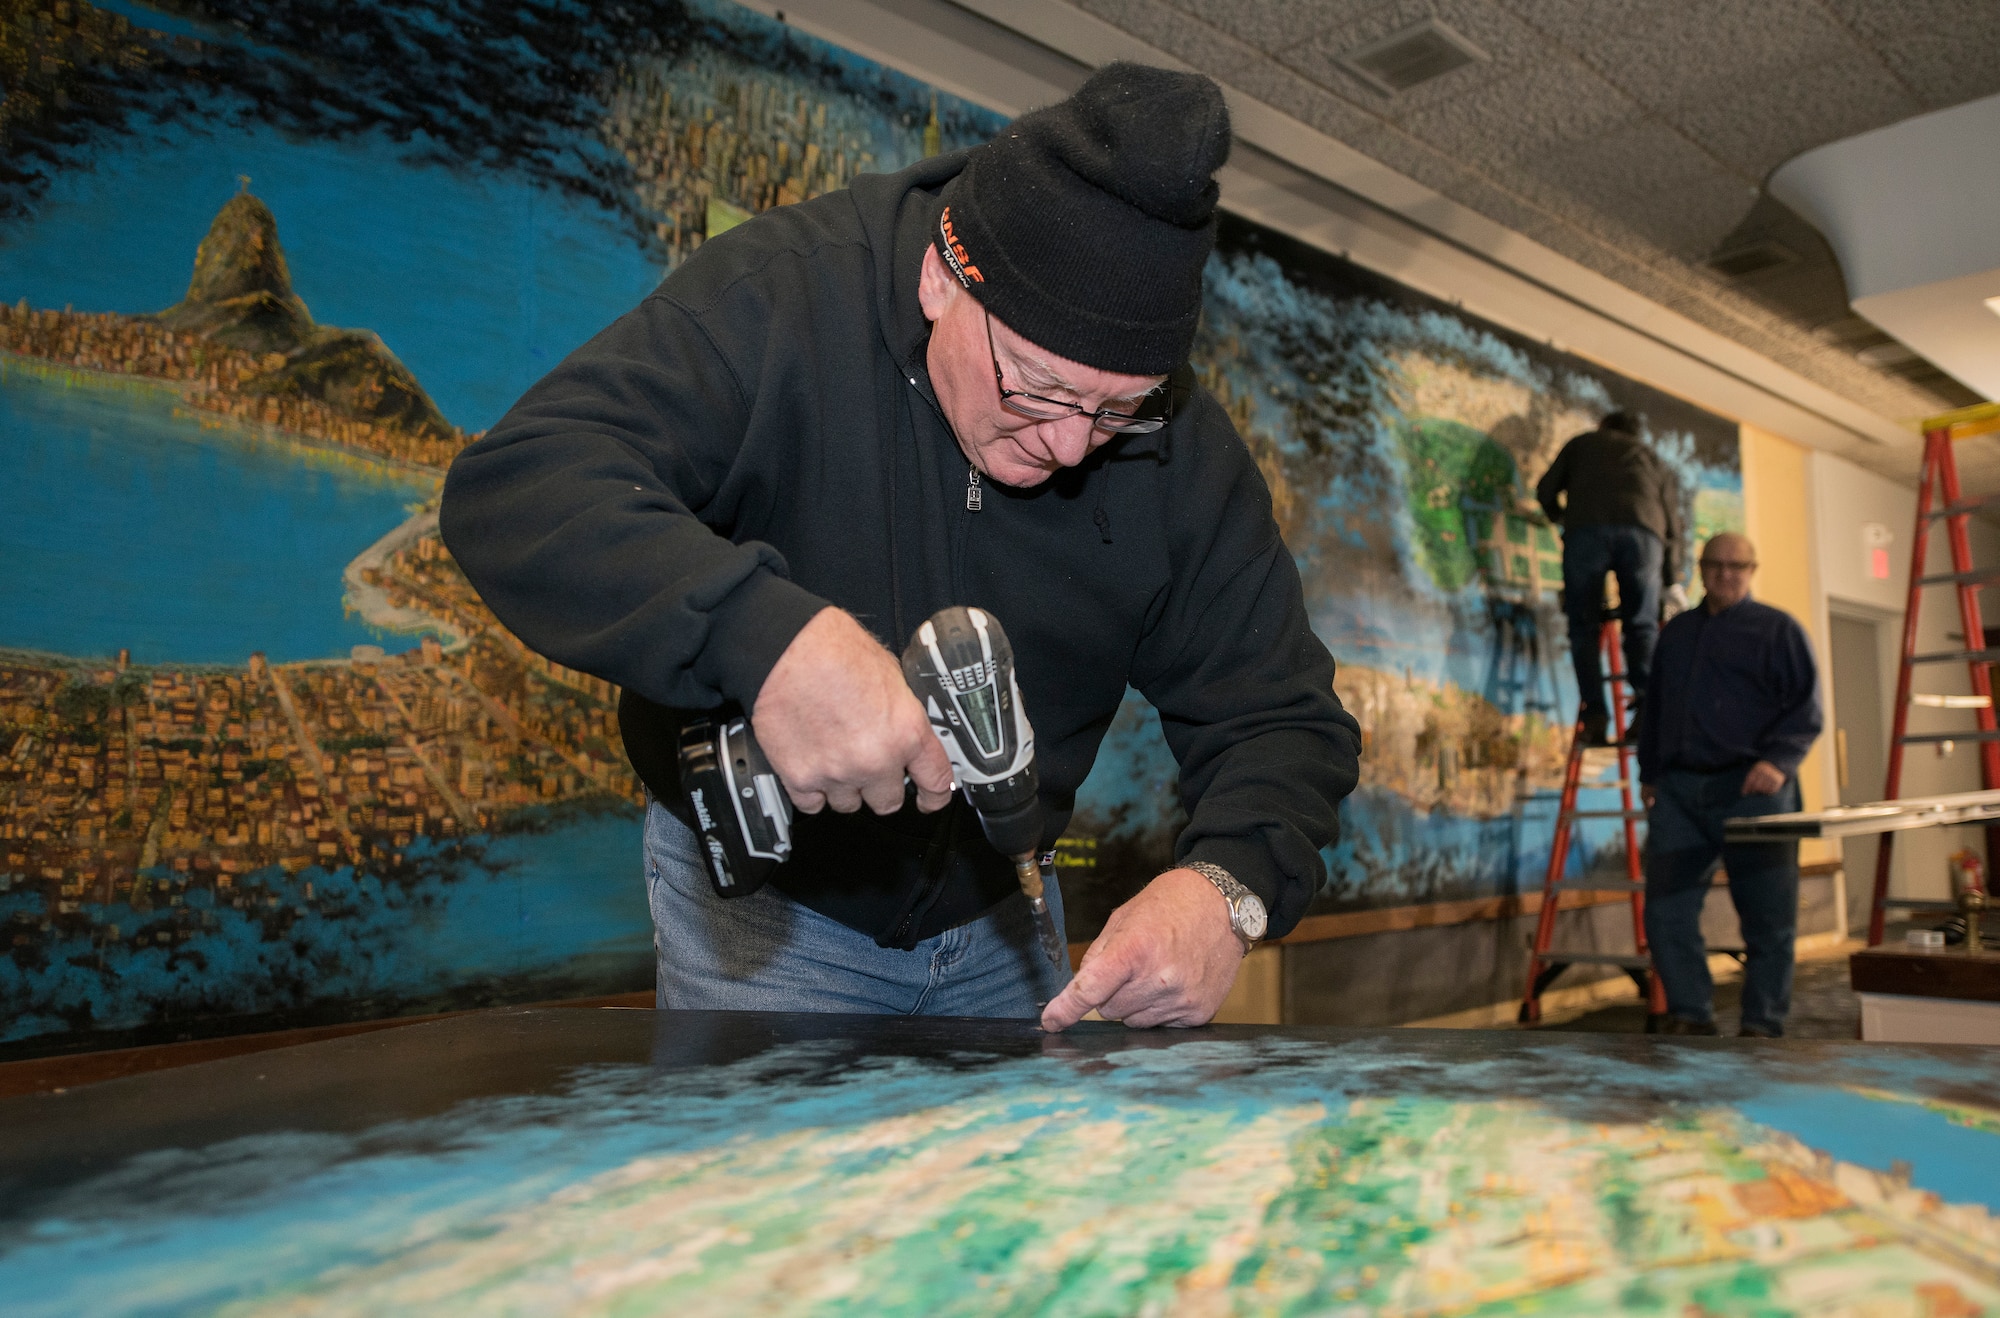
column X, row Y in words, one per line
column 1683, row 844
column 1635, row 555
column 765, row 952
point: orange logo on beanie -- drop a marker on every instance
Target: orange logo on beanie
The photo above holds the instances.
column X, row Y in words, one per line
column 954, row 252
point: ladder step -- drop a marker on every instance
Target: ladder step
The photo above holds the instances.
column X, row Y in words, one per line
column 1976, row 576
column 1930, row 907
column 1926, row 737
column 1962, row 507
column 1632, row 960
column 1929, row 701
column 1594, row 885
column 1614, row 814
column 1957, row 657
column 1607, row 785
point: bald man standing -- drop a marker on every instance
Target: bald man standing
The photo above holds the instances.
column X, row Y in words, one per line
column 1733, row 707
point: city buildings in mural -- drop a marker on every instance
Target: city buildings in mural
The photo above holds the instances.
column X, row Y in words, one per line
column 154, row 811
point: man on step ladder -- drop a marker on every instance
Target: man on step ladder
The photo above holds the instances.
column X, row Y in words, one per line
column 1619, row 507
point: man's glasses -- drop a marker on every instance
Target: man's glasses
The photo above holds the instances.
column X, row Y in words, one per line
column 1052, row 409
column 1719, row 565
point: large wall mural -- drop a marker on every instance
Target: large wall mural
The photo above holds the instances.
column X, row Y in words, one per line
column 264, row 267
column 1402, row 439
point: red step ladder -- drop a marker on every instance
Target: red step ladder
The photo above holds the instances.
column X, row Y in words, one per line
column 1940, row 487
column 1545, row 961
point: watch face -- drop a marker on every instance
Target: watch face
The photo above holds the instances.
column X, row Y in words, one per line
column 1250, row 916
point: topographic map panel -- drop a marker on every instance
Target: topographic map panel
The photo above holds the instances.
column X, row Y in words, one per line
column 774, row 1165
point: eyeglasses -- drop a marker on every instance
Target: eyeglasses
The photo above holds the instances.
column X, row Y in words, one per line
column 1052, row 409
column 1718, row 565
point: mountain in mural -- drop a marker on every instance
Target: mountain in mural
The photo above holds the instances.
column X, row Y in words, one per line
column 241, row 296
column 243, row 345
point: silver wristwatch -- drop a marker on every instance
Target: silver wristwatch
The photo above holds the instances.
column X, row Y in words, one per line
column 1247, row 916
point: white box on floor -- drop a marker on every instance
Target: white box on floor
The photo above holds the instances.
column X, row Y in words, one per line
column 1906, row 1018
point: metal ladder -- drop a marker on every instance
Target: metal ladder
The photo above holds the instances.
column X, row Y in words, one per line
column 1940, row 483
column 1545, row 961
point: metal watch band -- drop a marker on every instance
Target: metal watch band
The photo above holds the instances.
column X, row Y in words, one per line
column 1231, row 889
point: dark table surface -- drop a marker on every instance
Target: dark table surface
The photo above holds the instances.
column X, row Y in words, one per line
column 48, row 1141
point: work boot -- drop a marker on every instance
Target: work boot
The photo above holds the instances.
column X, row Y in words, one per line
column 1756, row 1032
column 1681, row 1025
column 1596, row 727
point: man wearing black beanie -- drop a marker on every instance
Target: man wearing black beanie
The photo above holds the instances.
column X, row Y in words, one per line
column 965, row 383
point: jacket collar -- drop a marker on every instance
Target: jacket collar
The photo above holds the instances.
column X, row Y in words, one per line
column 898, row 213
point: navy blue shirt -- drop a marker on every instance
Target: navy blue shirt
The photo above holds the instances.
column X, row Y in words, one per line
column 1729, row 689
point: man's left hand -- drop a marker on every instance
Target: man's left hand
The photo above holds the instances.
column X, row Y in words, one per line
column 1167, row 957
column 1763, row 779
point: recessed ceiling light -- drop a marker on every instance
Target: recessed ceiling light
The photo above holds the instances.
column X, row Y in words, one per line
column 1993, row 305
column 1886, row 354
column 1742, row 262
column 1413, row 56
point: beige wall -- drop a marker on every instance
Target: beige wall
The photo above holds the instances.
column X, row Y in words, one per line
column 1778, row 517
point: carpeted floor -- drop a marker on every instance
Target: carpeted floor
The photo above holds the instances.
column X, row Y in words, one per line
column 1823, row 1007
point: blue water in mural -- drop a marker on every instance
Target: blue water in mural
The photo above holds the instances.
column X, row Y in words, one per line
column 566, row 902
column 125, row 524
column 479, row 282
column 1949, row 1160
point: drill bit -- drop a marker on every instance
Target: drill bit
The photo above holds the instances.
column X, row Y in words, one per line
column 1029, row 873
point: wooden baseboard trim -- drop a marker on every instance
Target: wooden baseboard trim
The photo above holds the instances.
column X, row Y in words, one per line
column 1394, row 919
column 43, row 1075
column 1565, row 1004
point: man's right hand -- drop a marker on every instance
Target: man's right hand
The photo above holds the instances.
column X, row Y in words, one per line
column 841, row 727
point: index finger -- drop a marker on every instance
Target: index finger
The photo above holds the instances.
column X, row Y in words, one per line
column 930, row 771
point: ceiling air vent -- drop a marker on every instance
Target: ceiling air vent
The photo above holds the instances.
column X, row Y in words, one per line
column 1413, row 56
column 1743, row 262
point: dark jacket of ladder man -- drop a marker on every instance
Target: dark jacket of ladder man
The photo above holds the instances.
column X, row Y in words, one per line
column 1613, row 479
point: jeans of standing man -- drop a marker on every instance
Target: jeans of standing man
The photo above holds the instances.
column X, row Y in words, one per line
column 765, row 952
column 1683, row 844
column 1635, row 555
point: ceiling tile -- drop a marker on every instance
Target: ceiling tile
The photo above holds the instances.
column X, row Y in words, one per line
column 1276, row 26
column 1184, row 35
column 1638, row 159
column 1690, row 219
column 1768, row 120
column 1516, row 115
column 1946, row 51
column 1663, row 51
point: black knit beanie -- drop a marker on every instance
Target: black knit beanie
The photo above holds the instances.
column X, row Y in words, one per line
column 1084, row 226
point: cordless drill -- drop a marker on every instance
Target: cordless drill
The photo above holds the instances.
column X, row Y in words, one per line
column 961, row 668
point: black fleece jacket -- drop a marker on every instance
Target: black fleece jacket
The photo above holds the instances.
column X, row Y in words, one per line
column 1610, row 478
column 759, row 439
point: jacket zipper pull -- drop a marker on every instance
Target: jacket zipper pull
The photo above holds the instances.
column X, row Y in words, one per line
column 972, row 494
